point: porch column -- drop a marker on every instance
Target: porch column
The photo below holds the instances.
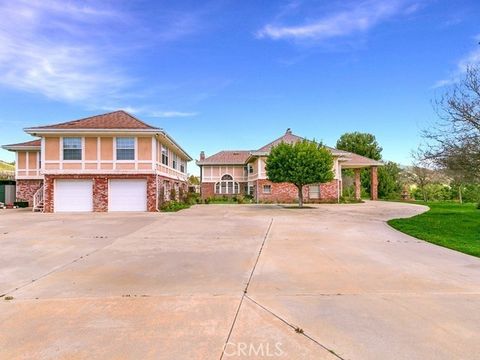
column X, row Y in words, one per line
column 357, row 183
column 374, row 183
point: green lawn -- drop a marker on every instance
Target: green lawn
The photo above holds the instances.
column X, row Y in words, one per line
column 451, row 225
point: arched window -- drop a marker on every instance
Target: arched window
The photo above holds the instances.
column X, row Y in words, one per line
column 227, row 186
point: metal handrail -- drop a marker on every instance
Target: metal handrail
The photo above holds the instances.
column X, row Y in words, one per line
column 37, row 198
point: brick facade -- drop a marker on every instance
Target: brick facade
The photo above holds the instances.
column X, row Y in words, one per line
column 374, row 183
column 288, row 193
column 26, row 189
column 207, row 190
column 329, row 192
column 100, row 189
column 280, row 192
column 357, row 184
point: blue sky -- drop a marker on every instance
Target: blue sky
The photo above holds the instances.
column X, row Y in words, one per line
column 235, row 74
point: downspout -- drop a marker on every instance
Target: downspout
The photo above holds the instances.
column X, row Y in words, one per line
column 201, row 180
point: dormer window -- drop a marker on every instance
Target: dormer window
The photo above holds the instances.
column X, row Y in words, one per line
column 72, row 148
column 125, row 148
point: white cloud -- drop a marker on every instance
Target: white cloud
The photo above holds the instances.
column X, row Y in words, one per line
column 357, row 17
column 44, row 48
column 151, row 112
column 471, row 59
column 172, row 114
column 78, row 51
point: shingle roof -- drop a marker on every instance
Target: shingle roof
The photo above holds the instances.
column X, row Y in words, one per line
column 232, row 157
column 240, row 157
column 288, row 138
column 32, row 143
column 114, row 120
column 358, row 160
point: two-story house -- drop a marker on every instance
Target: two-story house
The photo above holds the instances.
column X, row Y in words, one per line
column 108, row 162
column 233, row 172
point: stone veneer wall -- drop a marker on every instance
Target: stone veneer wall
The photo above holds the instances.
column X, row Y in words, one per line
column 100, row 189
column 26, row 189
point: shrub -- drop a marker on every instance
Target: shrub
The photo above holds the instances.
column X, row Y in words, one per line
column 172, row 206
column 192, row 198
column 173, row 194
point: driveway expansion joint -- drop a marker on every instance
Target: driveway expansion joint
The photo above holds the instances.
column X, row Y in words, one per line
column 297, row 329
column 246, row 288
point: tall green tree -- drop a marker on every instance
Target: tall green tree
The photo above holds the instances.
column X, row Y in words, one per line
column 389, row 184
column 364, row 144
column 302, row 163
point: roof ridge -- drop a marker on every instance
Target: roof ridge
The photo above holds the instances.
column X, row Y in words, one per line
column 133, row 116
column 272, row 142
column 93, row 117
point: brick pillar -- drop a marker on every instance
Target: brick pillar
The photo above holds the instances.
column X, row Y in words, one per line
column 48, row 183
column 357, row 183
column 374, row 183
column 100, row 194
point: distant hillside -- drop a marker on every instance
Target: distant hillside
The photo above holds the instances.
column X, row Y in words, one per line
column 4, row 166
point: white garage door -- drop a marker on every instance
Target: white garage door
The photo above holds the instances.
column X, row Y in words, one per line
column 73, row 195
column 127, row 195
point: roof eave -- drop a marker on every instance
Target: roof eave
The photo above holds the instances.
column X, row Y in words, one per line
column 164, row 133
column 20, row 148
column 41, row 131
column 202, row 163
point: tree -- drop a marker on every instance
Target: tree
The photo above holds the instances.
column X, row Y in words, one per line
column 360, row 143
column 193, row 180
column 364, row 144
column 453, row 142
column 389, row 185
column 303, row 163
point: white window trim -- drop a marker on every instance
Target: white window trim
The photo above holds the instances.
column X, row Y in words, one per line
column 82, row 141
column 135, row 150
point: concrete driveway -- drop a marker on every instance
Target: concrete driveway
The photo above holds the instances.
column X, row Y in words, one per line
column 333, row 282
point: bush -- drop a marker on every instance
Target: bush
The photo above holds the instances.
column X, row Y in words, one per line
column 21, row 204
column 192, row 198
column 173, row 206
column 173, row 195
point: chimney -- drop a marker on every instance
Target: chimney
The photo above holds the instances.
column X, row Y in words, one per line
column 202, row 155
column 289, row 131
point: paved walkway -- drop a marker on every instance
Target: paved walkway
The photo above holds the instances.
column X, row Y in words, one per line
column 325, row 283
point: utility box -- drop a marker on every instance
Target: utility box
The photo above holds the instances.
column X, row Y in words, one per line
column 7, row 191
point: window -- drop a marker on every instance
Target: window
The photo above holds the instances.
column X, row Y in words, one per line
column 164, row 155
column 250, row 169
column 174, row 161
column 227, row 186
column 245, row 170
column 125, row 148
column 182, row 166
column 267, row 189
column 72, row 148
column 314, row 192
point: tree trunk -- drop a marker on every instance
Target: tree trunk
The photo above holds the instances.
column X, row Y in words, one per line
column 300, row 195
column 460, row 198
